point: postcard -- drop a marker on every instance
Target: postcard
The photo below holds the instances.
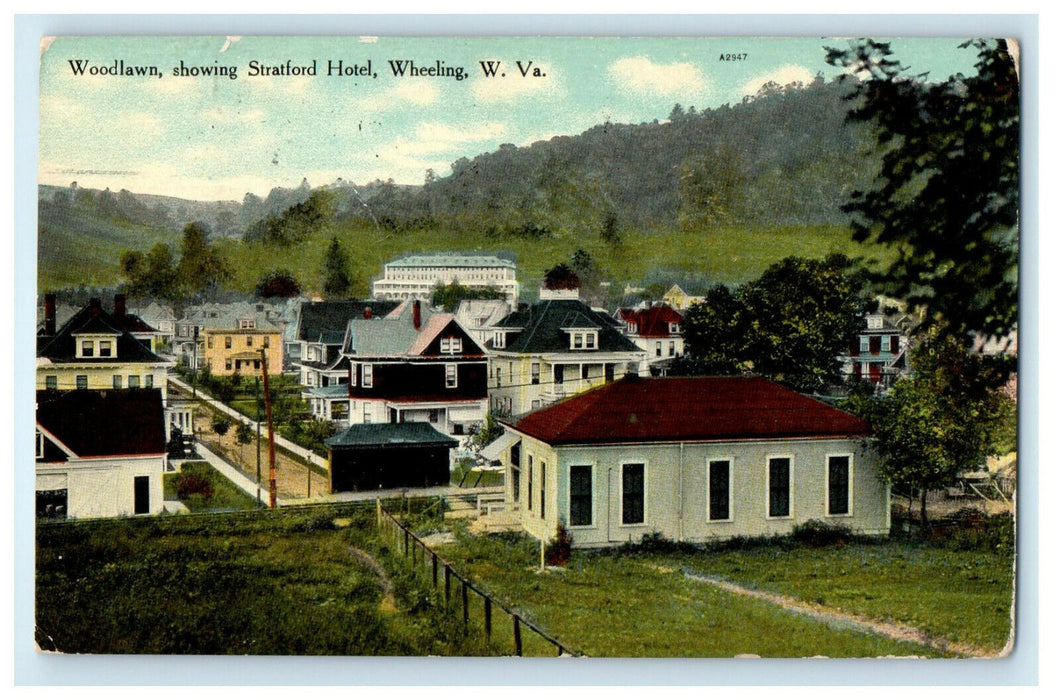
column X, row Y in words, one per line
column 552, row 347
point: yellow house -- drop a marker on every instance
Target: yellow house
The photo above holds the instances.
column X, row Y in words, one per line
column 228, row 351
column 678, row 299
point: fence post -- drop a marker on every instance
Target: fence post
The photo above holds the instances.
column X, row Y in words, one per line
column 447, row 574
column 434, row 569
column 406, row 542
column 379, row 513
column 463, row 595
column 489, row 616
column 518, row 638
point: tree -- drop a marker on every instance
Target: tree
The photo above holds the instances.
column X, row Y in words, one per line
column 943, row 420
column 201, row 265
column 609, row 232
column 278, row 283
column 336, row 271
column 791, row 324
column 152, row 275
column 449, row 296
column 562, row 277
column 947, row 194
column 220, row 425
column 244, row 435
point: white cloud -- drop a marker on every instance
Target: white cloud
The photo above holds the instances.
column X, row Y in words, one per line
column 641, row 74
column 433, row 131
column 514, row 85
column 785, row 75
column 406, row 93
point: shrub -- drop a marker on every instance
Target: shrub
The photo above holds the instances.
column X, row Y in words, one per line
column 817, row 533
column 193, row 483
column 557, row 552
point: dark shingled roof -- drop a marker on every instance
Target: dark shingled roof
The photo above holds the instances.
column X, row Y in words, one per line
column 636, row 410
column 105, row 423
column 325, row 321
column 390, row 435
column 543, row 325
column 62, row 346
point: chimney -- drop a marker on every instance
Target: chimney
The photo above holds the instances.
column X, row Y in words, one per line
column 368, row 312
column 49, row 314
column 119, row 306
column 94, row 308
column 416, row 314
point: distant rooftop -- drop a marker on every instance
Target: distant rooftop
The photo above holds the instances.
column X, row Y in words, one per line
column 451, row 260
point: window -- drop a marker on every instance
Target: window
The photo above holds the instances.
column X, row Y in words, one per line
column 632, row 494
column 250, row 341
column 675, row 328
column 673, row 348
column 719, row 489
column 134, row 381
column 40, row 445
column 51, row 382
column 450, row 376
column 498, row 339
column 209, row 342
column 631, row 327
column 149, row 380
column 367, row 412
column 839, row 485
column 581, row 495
column 432, row 415
column 366, row 375
column 590, row 341
column 779, row 487
column 542, row 500
column 106, row 348
column 577, row 341
column 246, row 323
column 228, row 363
column 88, row 348
column 535, row 372
column 82, row 381
column 116, row 381
column 863, row 343
column 530, row 483
column 264, row 341
column 658, row 348
column 452, row 346
column 228, row 342
column 514, row 455
column 585, row 371
column 511, row 372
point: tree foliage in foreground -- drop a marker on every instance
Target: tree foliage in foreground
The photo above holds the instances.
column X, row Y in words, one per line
column 790, row 325
column 944, row 420
column 947, row 193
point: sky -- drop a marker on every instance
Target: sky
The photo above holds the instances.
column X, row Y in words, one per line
column 213, row 137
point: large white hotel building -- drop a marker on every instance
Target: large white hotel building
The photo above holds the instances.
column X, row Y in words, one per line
column 418, row 275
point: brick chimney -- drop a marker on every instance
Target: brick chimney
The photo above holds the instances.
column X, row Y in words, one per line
column 416, row 318
column 49, row 314
column 368, row 312
column 95, row 307
column 119, row 306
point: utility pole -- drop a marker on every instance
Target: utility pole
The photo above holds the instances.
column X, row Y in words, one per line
column 272, row 443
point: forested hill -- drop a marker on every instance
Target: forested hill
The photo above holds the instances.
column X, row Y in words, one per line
column 786, row 156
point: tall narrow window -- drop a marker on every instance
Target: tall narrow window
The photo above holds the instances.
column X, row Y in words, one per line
column 250, row 341
column 839, row 485
column 515, row 484
column 530, row 483
column 82, row 381
column 535, row 372
column 149, row 380
column 228, row 342
column 116, row 379
column 719, row 482
column 141, row 494
column 366, row 375
column 450, row 376
column 88, row 348
column 581, row 495
column 542, row 499
column 632, row 494
column 779, row 487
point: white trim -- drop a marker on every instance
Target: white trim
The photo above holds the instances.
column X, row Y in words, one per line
column 791, row 486
column 367, row 375
column 730, row 460
column 622, row 495
column 592, row 500
column 828, row 485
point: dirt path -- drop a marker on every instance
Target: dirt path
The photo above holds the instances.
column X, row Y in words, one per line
column 388, row 603
column 897, row 631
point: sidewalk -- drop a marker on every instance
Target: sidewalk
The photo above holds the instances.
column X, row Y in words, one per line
column 280, row 441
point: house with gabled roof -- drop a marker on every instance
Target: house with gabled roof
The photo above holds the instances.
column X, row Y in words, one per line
column 323, row 370
column 555, row 348
column 99, row 453
column 95, row 350
column 415, row 364
column 693, row 459
column 656, row 329
column 879, row 354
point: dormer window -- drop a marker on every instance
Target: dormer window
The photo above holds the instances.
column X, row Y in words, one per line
column 583, row 340
column 452, row 346
column 246, row 323
column 631, row 327
column 88, row 348
column 675, row 328
column 498, row 339
column 875, row 322
column 106, row 348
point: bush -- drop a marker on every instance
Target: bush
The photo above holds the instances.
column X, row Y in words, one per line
column 557, row 552
column 817, row 533
column 969, row 529
column 193, row 483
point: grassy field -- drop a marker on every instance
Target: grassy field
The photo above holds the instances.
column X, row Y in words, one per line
column 205, row 489
column 265, row 583
column 643, row 604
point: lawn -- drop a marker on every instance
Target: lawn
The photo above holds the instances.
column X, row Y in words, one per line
column 965, row 596
column 201, row 488
column 260, row 583
column 604, row 604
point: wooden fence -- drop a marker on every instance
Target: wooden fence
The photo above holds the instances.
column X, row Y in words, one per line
column 500, row 624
